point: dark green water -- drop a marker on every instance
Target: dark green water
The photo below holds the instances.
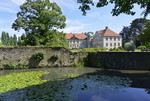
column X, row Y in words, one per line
column 91, row 85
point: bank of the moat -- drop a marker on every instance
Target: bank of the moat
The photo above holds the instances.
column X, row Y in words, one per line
column 22, row 57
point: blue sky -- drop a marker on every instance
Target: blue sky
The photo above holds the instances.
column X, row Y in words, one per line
column 96, row 18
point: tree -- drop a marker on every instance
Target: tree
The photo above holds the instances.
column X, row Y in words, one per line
column 14, row 40
column 120, row 6
column 129, row 46
column 8, row 40
column 40, row 19
column 1, row 42
column 125, row 34
column 144, row 37
column 5, row 38
column 136, row 27
column 131, row 32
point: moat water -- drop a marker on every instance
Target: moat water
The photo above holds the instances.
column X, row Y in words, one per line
column 90, row 84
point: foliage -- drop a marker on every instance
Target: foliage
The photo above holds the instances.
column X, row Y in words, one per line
column 78, row 64
column 131, row 32
column 10, row 65
column 144, row 37
column 129, row 46
column 147, row 44
column 120, row 6
column 55, row 57
column 38, row 56
column 57, row 39
column 141, row 47
column 125, row 33
column 119, row 49
column 8, row 40
column 90, row 50
column 1, row 44
column 39, row 19
column 20, row 80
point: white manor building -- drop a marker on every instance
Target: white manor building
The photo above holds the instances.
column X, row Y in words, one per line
column 104, row 38
column 76, row 40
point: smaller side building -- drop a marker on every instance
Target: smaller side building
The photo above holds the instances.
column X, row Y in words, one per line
column 76, row 40
column 107, row 38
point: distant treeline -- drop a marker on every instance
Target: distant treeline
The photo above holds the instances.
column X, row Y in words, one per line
column 8, row 40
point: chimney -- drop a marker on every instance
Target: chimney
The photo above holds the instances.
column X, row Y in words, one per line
column 106, row 27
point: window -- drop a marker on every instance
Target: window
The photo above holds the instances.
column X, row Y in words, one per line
column 106, row 44
column 114, row 44
column 110, row 44
column 119, row 44
column 114, row 39
column 119, row 39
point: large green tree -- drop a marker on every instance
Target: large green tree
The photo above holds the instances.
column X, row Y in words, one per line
column 120, row 6
column 40, row 19
column 144, row 37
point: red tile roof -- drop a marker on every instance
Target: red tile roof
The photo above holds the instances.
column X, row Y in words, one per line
column 108, row 32
column 76, row 35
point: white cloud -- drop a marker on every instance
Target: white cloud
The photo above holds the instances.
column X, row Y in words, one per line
column 75, row 26
column 18, row 2
column 7, row 7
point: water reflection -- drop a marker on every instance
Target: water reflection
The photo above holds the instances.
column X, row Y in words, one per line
column 87, row 87
column 66, row 90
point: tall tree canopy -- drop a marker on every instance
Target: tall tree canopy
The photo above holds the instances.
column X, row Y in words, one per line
column 40, row 19
column 144, row 37
column 131, row 32
column 120, row 6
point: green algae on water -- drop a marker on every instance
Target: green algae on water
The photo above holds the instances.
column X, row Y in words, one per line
column 16, row 81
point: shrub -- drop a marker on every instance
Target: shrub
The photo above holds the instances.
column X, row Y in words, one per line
column 147, row 44
column 92, row 50
column 75, row 64
column 119, row 49
column 38, row 56
column 55, row 57
column 129, row 46
column 141, row 47
column 10, row 65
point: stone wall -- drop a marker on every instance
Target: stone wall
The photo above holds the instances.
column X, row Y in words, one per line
column 106, row 60
column 120, row 60
column 23, row 56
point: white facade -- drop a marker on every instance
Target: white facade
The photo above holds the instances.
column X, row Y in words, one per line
column 112, row 42
column 105, row 38
column 77, row 43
